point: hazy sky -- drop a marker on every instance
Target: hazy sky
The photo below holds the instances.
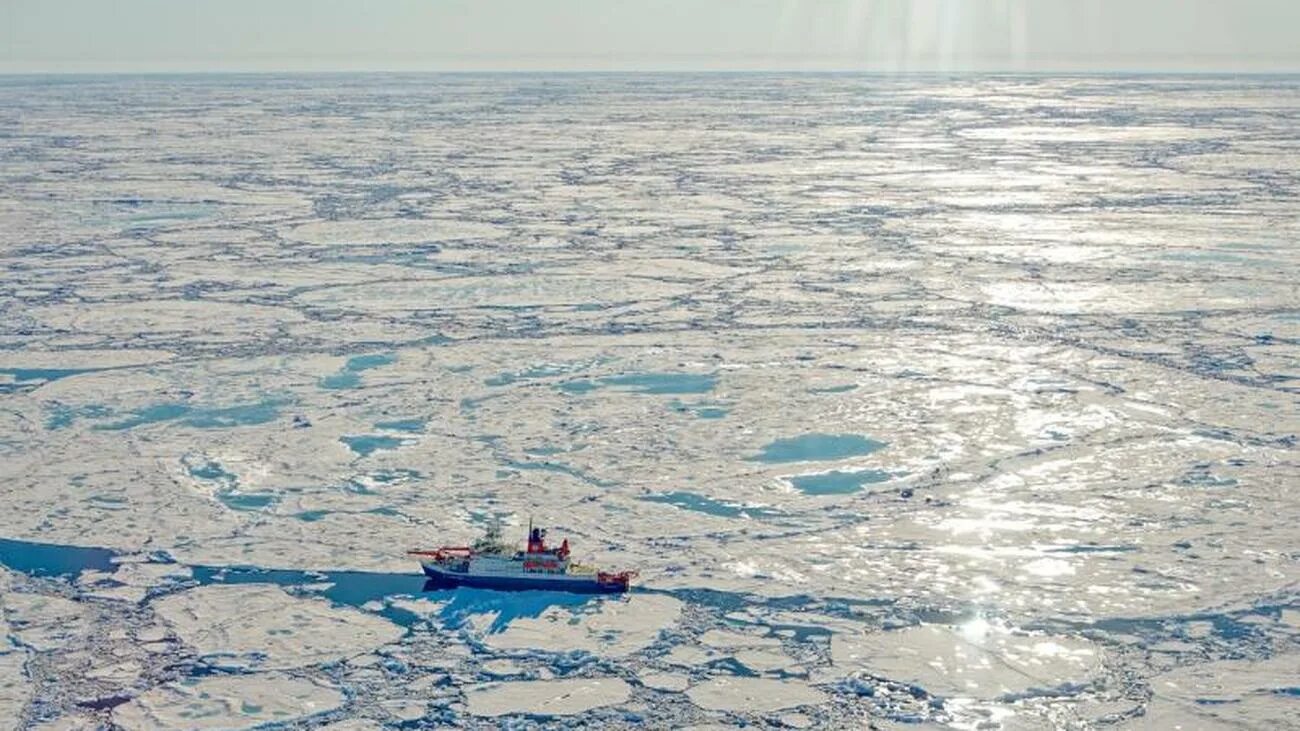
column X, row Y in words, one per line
column 878, row 35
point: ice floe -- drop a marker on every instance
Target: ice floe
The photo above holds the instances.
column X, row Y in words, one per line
column 750, row 695
column 545, row 697
column 670, row 682
column 233, row 702
column 977, row 660
column 265, row 627
column 614, row 628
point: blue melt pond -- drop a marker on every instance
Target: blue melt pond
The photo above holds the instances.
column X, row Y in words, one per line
column 651, row 383
column 349, row 376
column 709, row 506
column 410, row 426
column 148, row 415
column 837, row 483
column 44, row 374
column 366, row 445
column 817, row 448
column 199, row 417
column 247, row 502
column 701, row 410
column 211, row 471
column 62, row 416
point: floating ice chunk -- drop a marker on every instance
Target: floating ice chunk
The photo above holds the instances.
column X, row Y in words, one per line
column 231, row 702
column 768, row 661
column 546, row 697
column 418, row 606
column 978, row 660
column 406, row 709
column 618, row 628
column 730, row 638
column 131, row 580
column 687, row 656
column 671, row 682
column 501, row 668
column 263, row 625
column 753, row 694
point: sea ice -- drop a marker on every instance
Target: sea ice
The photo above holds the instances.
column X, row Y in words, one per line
column 15, row 691
column 749, row 695
column 616, row 628
column 670, row 682
column 976, row 660
column 44, row 622
column 265, row 627
column 231, row 703
column 1062, row 323
column 1249, row 693
column 545, row 697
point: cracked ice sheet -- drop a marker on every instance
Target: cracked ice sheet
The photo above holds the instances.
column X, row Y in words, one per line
column 545, row 697
column 263, row 627
column 1073, row 297
column 1251, row 694
column 231, row 702
column 45, row 623
column 14, row 688
column 1024, row 407
column 753, row 694
column 975, row 660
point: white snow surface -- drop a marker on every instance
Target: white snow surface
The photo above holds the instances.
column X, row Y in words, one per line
column 961, row 402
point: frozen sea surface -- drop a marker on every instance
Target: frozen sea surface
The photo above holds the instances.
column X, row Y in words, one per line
column 962, row 402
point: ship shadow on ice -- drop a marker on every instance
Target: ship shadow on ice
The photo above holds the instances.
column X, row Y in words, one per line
column 461, row 603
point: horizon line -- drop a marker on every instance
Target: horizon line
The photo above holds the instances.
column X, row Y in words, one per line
column 663, row 72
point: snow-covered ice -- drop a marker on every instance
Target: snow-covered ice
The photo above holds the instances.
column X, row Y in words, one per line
column 265, row 627
column 231, row 702
column 923, row 401
column 545, row 697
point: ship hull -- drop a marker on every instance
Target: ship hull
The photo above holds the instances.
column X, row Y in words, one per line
column 581, row 585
